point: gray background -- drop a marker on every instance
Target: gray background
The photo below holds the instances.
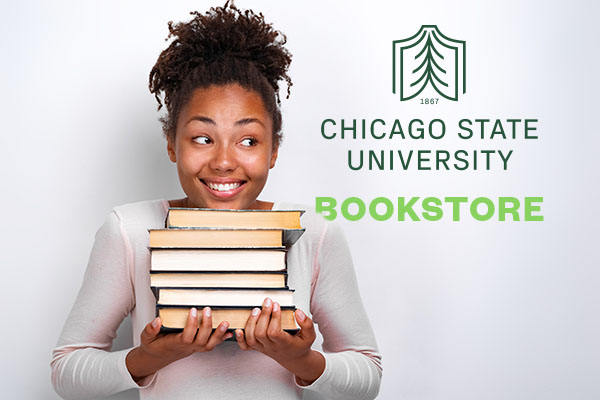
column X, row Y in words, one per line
column 461, row 310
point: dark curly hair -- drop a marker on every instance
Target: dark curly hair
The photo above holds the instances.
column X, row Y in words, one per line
column 224, row 46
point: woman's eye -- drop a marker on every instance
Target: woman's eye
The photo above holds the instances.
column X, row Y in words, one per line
column 201, row 140
column 248, row 142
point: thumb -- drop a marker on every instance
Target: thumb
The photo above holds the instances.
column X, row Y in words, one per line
column 307, row 328
column 151, row 330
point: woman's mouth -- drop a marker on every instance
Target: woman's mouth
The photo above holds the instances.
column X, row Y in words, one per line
column 227, row 189
column 223, row 187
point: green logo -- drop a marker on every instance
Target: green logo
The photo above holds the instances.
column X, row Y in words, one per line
column 429, row 58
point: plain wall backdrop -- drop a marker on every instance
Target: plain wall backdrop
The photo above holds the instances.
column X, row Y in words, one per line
column 461, row 310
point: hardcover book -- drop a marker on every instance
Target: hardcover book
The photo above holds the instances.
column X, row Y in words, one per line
column 210, row 218
column 218, row 259
column 252, row 297
column 248, row 279
column 174, row 318
column 223, row 238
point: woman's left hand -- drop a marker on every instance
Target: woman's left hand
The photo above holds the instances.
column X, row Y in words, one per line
column 263, row 333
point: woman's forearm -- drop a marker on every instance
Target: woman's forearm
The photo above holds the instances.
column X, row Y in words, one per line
column 75, row 372
column 141, row 364
column 307, row 369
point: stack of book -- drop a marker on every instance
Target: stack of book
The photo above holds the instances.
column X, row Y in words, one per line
column 229, row 260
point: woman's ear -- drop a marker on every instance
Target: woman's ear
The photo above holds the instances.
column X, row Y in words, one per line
column 274, row 155
column 171, row 149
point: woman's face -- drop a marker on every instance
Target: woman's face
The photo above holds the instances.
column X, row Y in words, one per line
column 223, row 148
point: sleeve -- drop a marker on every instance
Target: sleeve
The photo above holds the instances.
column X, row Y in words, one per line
column 352, row 361
column 82, row 364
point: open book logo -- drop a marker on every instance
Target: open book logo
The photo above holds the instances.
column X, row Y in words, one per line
column 429, row 59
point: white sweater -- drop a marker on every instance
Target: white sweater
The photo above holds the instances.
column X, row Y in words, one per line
column 117, row 284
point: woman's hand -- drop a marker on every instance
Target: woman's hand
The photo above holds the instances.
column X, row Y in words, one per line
column 158, row 349
column 263, row 333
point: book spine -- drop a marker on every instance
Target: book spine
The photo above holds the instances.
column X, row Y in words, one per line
column 200, row 307
column 249, row 289
column 282, row 272
column 164, row 329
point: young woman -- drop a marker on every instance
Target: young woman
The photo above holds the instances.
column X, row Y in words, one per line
column 219, row 78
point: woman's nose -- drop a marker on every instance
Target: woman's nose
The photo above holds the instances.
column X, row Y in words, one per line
column 223, row 159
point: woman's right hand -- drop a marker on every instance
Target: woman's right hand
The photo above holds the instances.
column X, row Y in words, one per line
column 157, row 350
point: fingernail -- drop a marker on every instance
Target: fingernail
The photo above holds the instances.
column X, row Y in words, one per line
column 275, row 306
column 267, row 302
column 155, row 323
column 255, row 312
column 207, row 311
column 194, row 312
column 228, row 336
column 238, row 333
column 301, row 315
column 224, row 327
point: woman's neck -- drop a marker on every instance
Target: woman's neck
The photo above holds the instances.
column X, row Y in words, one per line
column 257, row 205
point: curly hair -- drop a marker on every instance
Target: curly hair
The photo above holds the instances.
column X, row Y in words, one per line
column 224, row 46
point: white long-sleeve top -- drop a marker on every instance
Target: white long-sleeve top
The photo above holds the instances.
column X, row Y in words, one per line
column 117, row 283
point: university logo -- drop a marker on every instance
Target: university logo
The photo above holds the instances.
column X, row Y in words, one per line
column 429, row 59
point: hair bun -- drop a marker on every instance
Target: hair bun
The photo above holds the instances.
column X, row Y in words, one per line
column 222, row 33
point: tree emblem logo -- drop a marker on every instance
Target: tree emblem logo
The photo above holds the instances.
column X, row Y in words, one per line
column 429, row 59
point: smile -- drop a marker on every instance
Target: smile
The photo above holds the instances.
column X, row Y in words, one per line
column 223, row 187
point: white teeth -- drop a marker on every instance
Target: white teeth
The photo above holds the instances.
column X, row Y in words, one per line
column 223, row 187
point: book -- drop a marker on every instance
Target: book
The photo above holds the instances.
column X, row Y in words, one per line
column 211, row 218
column 223, row 238
column 231, row 279
column 175, row 318
column 222, row 296
column 217, row 260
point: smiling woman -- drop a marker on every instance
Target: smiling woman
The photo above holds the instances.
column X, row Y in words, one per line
column 219, row 79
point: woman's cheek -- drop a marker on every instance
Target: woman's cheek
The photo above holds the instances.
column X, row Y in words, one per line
column 190, row 163
column 257, row 165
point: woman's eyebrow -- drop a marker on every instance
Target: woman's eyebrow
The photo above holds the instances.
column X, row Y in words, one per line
column 241, row 122
column 246, row 121
column 201, row 118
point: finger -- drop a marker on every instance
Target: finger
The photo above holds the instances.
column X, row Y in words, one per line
column 191, row 327
column 241, row 341
column 274, row 329
column 151, row 330
column 205, row 327
column 260, row 331
column 307, row 328
column 217, row 336
column 250, row 327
